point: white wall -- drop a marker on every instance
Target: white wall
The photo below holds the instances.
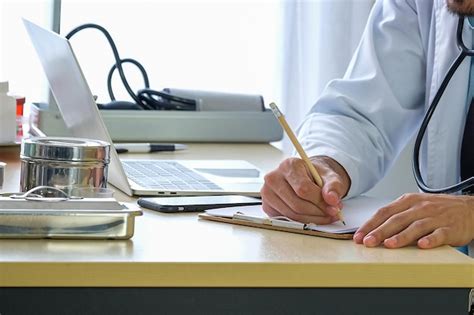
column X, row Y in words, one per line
column 18, row 62
column 213, row 45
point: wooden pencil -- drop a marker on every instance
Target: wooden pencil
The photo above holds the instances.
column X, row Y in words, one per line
column 317, row 178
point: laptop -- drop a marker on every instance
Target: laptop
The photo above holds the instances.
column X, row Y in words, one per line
column 133, row 177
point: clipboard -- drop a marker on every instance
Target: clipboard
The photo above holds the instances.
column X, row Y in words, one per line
column 356, row 212
column 273, row 225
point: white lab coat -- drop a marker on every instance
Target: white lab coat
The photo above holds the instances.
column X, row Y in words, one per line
column 365, row 119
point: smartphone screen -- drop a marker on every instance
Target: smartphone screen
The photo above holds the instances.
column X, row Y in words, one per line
column 195, row 203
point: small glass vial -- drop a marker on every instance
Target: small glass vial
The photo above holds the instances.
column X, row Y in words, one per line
column 20, row 103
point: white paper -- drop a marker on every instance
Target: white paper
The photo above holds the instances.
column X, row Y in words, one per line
column 356, row 211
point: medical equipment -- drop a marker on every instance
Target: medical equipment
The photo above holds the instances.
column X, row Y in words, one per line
column 40, row 213
column 63, row 163
column 416, row 151
column 145, row 98
column 168, row 99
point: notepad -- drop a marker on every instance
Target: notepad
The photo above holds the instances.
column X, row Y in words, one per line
column 356, row 212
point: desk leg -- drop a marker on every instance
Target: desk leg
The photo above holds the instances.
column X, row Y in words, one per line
column 232, row 301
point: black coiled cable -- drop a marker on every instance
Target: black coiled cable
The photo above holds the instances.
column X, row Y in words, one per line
column 146, row 98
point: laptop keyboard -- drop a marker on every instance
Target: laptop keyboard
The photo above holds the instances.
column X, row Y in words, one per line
column 166, row 175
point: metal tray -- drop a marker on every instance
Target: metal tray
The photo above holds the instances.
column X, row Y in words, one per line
column 63, row 218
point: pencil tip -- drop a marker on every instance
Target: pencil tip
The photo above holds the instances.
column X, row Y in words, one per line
column 343, row 222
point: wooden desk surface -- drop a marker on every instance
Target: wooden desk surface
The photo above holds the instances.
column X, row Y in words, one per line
column 178, row 250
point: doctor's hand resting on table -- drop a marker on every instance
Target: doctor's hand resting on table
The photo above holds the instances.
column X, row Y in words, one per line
column 412, row 71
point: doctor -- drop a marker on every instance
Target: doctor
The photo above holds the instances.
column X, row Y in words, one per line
column 361, row 122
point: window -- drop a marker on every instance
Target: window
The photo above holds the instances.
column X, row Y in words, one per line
column 18, row 62
column 228, row 46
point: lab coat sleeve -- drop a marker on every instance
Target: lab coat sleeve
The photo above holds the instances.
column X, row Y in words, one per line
column 364, row 120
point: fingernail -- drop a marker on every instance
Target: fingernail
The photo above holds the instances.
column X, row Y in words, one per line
column 391, row 242
column 370, row 240
column 332, row 210
column 335, row 219
column 424, row 242
column 333, row 195
column 358, row 237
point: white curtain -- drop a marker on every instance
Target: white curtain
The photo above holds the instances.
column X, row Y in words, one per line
column 320, row 37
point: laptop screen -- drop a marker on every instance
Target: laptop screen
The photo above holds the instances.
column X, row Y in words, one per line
column 73, row 96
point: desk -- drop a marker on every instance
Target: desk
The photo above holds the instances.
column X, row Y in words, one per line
column 176, row 263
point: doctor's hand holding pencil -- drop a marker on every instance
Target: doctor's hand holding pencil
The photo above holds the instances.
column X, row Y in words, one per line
column 308, row 190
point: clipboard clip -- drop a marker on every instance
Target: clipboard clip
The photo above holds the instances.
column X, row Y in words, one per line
column 279, row 221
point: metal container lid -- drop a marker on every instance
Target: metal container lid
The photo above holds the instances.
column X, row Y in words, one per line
column 66, row 149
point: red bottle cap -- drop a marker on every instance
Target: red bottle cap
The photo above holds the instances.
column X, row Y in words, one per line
column 20, row 102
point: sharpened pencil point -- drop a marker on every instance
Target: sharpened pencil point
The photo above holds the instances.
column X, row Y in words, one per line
column 343, row 222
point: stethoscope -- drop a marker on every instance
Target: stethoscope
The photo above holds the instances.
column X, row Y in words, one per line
column 416, row 152
column 145, row 98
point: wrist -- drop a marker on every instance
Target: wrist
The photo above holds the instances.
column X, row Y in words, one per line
column 469, row 201
column 470, row 204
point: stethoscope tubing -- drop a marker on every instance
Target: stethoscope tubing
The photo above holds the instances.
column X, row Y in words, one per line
column 428, row 115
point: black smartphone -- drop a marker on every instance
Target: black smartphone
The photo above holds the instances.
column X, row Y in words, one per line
column 195, row 203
